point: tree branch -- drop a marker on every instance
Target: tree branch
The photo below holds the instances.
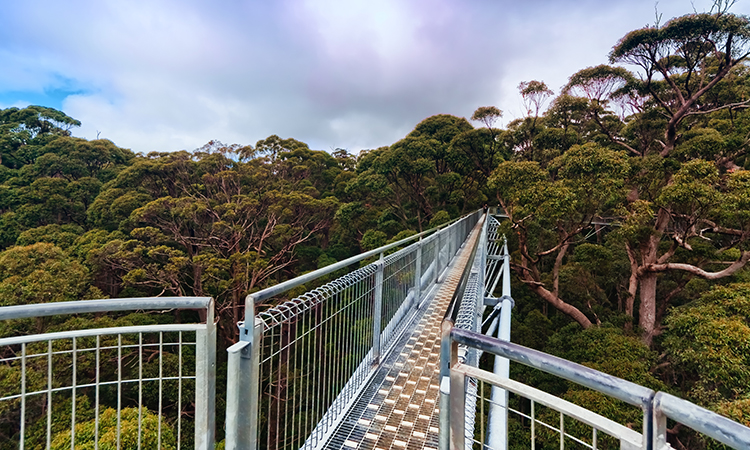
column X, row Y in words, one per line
column 731, row 270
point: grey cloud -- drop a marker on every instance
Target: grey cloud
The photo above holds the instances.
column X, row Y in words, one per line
column 167, row 74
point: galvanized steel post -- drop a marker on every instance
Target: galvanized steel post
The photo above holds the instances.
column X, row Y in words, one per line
column 205, row 383
column 438, row 248
column 458, row 409
column 377, row 313
column 497, row 435
column 418, row 273
column 447, row 359
column 243, row 369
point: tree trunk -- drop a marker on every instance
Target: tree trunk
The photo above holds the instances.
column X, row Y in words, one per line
column 647, row 310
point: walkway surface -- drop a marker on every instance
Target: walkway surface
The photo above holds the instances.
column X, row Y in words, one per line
column 399, row 409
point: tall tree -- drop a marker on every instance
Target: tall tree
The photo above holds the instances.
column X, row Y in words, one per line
column 683, row 60
column 551, row 208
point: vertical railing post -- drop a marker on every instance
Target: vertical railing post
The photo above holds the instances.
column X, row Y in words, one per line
column 447, row 358
column 455, row 240
column 205, row 383
column 458, row 410
column 497, row 435
column 377, row 312
column 654, row 424
column 418, row 274
column 243, row 373
column 438, row 248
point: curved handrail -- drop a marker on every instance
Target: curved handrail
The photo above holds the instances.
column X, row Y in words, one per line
column 700, row 419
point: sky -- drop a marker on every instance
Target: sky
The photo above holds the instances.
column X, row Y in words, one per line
column 167, row 75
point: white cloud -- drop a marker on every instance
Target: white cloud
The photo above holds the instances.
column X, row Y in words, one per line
column 166, row 75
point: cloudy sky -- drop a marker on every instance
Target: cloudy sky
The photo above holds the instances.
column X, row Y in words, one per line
column 164, row 75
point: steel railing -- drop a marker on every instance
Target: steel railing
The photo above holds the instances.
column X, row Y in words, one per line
column 547, row 420
column 656, row 407
column 112, row 387
column 625, row 391
column 302, row 362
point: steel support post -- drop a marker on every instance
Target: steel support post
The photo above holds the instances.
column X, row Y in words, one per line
column 497, row 430
column 458, row 410
column 377, row 313
column 205, row 383
column 659, row 424
column 438, row 251
column 243, row 369
column 418, row 274
column 448, row 357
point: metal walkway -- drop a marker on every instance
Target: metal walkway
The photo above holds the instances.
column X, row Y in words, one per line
column 399, row 407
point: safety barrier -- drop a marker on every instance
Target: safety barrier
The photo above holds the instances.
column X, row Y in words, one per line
column 465, row 388
column 302, row 362
column 112, row 387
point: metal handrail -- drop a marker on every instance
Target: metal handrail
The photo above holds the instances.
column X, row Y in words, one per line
column 282, row 287
column 204, row 375
column 102, row 305
column 618, row 388
column 700, row 419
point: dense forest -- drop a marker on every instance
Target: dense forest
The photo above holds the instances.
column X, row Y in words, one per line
column 626, row 198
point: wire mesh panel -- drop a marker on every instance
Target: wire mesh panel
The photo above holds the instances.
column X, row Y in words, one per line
column 111, row 389
column 120, row 387
column 311, row 347
column 429, row 247
column 398, row 293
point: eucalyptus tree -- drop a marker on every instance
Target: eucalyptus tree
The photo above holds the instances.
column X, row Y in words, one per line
column 24, row 131
column 213, row 225
column 681, row 118
column 477, row 151
column 417, row 176
column 551, row 208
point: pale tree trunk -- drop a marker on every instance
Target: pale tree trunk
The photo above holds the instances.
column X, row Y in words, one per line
column 632, row 282
column 647, row 310
column 647, row 272
column 647, row 279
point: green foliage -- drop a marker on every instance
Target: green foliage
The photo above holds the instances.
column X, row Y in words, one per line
column 40, row 273
column 61, row 236
column 609, row 350
column 373, row 239
column 706, row 343
column 439, row 218
column 132, row 423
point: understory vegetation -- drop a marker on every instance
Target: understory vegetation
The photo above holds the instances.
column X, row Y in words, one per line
column 626, row 198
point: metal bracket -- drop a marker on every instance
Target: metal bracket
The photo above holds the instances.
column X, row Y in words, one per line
column 246, row 334
column 492, row 301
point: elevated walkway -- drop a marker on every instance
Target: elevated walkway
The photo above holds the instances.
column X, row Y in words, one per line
column 399, row 407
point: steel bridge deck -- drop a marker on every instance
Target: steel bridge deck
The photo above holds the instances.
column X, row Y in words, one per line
column 399, row 407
